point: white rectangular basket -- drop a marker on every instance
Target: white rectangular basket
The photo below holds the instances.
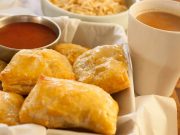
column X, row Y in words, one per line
column 90, row 35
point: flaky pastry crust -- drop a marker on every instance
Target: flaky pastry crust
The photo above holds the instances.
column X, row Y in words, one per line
column 21, row 74
column 60, row 103
column 104, row 66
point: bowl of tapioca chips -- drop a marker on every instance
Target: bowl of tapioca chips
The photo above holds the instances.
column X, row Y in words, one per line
column 108, row 11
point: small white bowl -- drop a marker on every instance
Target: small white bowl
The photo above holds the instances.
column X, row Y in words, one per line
column 49, row 9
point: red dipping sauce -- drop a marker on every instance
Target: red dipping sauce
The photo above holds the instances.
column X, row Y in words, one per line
column 26, row 35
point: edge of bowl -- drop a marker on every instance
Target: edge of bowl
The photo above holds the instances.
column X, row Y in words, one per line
column 47, row 2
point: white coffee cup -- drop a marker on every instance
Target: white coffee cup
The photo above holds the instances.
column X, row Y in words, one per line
column 155, row 53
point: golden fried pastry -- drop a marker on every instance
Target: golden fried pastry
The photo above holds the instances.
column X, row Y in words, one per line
column 104, row 66
column 10, row 104
column 60, row 103
column 71, row 51
column 2, row 65
column 26, row 66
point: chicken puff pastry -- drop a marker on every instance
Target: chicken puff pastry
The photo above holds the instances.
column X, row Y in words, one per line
column 2, row 65
column 60, row 103
column 10, row 104
column 21, row 74
column 104, row 66
column 71, row 51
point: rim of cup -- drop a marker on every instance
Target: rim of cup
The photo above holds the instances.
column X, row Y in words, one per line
column 135, row 6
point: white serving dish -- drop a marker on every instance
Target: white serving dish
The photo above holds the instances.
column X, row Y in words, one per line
column 100, row 34
column 50, row 9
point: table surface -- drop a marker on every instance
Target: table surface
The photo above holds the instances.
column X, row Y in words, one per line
column 178, row 110
column 176, row 96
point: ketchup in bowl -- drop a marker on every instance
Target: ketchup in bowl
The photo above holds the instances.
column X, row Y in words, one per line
column 26, row 35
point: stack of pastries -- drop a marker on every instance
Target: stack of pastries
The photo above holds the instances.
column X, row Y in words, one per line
column 68, row 87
